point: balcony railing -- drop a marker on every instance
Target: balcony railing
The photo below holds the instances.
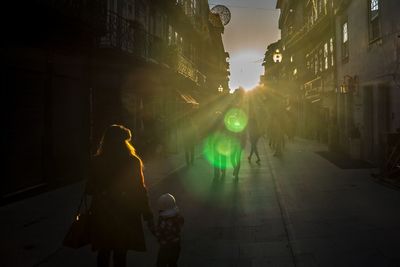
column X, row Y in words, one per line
column 119, row 33
column 307, row 29
column 130, row 37
column 187, row 68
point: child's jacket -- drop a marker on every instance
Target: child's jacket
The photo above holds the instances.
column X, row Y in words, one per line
column 169, row 229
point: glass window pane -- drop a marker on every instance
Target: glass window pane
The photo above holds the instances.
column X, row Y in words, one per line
column 374, row 5
column 345, row 34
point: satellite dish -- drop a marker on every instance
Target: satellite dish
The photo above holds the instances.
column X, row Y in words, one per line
column 223, row 12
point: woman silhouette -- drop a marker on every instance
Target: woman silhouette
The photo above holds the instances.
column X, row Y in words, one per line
column 119, row 198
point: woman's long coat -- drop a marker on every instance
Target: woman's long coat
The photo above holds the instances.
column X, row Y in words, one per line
column 119, row 201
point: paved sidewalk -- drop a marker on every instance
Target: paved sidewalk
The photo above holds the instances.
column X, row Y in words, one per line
column 32, row 229
column 335, row 217
column 296, row 210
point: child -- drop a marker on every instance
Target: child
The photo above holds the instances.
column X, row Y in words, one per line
column 168, row 230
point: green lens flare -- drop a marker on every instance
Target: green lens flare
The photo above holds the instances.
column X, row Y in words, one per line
column 235, row 120
column 218, row 148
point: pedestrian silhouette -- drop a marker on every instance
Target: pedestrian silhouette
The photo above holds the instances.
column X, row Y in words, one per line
column 254, row 136
column 189, row 140
column 168, row 229
column 238, row 138
column 219, row 140
column 119, row 198
column 238, row 143
column 278, row 136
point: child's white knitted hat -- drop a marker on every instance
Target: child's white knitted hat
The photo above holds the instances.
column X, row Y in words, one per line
column 167, row 205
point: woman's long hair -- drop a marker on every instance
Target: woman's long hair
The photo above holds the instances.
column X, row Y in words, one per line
column 116, row 143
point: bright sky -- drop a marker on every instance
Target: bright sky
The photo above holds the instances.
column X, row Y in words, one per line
column 253, row 26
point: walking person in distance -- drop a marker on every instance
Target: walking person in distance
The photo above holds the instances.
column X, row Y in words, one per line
column 254, row 136
column 189, row 141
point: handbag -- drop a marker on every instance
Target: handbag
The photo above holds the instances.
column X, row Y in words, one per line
column 78, row 233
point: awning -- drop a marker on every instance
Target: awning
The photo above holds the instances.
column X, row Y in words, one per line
column 189, row 99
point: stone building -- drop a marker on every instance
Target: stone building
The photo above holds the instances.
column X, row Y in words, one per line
column 307, row 40
column 342, row 58
column 368, row 75
column 46, row 51
column 272, row 65
column 72, row 68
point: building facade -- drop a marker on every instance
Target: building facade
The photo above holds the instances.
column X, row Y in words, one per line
column 46, row 110
column 368, row 76
column 307, row 40
column 74, row 67
column 342, row 59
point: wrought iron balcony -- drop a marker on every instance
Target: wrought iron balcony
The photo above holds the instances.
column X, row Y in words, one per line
column 187, row 68
column 127, row 36
column 119, row 33
column 309, row 30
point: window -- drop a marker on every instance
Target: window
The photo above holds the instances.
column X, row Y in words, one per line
column 345, row 41
column 345, row 33
column 321, row 58
column 181, row 46
column 320, row 6
column 195, row 10
column 374, row 24
column 310, row 62
column 331, row 51
column 186, row 8
column 170, row 34
column 326, row 56
column 374, row 5
column 316, row 63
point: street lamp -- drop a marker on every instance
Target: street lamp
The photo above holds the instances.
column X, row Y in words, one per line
column 277, row 56
column 220, row 89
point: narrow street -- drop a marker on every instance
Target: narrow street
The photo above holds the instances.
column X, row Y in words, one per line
column 95, row 88
column 298, row 210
